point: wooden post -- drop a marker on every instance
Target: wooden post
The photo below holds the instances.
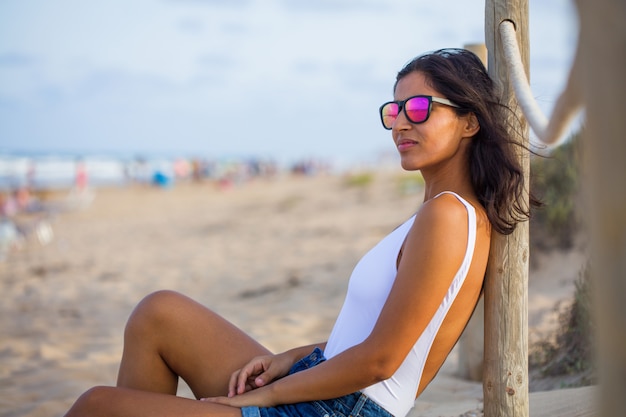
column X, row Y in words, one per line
column 601, row 57
column 505, row 379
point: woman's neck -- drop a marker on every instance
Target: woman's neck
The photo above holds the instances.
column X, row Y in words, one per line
column 454, row 180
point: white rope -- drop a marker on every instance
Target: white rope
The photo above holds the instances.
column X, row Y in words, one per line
column 568, row 104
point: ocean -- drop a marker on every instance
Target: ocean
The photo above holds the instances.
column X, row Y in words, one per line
column 62, row 171
column 59, row 171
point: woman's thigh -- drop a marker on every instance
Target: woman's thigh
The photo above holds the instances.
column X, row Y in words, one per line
column 191, row 340
column 120, row 402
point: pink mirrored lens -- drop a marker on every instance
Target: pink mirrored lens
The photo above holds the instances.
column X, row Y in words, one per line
column 417, row 109
column 389, row 114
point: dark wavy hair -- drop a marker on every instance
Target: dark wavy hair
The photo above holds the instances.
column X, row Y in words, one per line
column 496, row 173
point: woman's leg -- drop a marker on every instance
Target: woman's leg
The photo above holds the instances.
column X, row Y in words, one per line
column 169, row 335
column 124, row 402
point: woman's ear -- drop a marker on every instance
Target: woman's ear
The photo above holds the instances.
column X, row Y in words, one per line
column 472, row 126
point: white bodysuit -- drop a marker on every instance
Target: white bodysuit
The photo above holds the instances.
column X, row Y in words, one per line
column 368, row 289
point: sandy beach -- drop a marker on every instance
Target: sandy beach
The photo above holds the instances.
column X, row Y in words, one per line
column 273, row 255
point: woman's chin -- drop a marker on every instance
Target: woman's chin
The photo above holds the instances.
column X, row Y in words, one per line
column 408, row 165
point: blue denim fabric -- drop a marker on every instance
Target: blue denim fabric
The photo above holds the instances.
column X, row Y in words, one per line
column 351, row 405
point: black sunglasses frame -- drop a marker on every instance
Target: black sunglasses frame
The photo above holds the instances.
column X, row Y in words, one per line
column 402, row 107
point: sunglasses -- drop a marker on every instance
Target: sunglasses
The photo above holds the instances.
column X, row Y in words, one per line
column 416, row 109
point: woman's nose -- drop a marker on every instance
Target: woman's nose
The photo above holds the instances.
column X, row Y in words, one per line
column 401, row 122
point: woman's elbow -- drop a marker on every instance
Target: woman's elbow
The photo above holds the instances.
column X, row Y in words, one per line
column 382, row 367
column 379, row 360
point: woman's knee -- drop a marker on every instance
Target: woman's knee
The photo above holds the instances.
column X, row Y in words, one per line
column 159, row 302
column 154, row 310
column 91, row 402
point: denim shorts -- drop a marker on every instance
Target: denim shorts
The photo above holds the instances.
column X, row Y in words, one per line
column 351, row 405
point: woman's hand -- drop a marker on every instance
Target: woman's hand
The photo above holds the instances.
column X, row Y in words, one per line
column 257, row 397
column 259, row 372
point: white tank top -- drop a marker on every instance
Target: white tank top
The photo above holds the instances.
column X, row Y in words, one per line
column 368, row 289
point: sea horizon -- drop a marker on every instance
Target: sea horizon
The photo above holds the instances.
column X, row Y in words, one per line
column 43, row 169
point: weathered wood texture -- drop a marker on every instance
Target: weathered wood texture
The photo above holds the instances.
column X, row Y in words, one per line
column 505, row 378
column 601, row 57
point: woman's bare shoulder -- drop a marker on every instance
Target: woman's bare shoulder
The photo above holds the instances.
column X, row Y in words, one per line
column 438, row 237
column 443, row 208
column 444, row 220
column 448, row 207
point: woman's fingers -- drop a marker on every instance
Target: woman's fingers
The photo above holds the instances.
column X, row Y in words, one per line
column 233, row 383
column 258, row 372
column 248, row 375
column 242, row 380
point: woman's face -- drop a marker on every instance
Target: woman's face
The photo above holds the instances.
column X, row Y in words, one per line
column 440, row 139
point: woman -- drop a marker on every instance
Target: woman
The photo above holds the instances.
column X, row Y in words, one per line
column 408, row 300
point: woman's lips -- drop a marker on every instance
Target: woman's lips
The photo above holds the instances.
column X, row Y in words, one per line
column 405, row 144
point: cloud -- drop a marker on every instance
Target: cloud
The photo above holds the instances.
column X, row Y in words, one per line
column 332, row 5
column 192, row 26
column 216, row 60
column 212, row 3
column 16, row 59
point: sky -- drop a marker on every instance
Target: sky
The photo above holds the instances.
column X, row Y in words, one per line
column 285, row 79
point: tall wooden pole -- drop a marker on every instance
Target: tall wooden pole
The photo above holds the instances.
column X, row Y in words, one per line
column 505, row 377
column 601, row 57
